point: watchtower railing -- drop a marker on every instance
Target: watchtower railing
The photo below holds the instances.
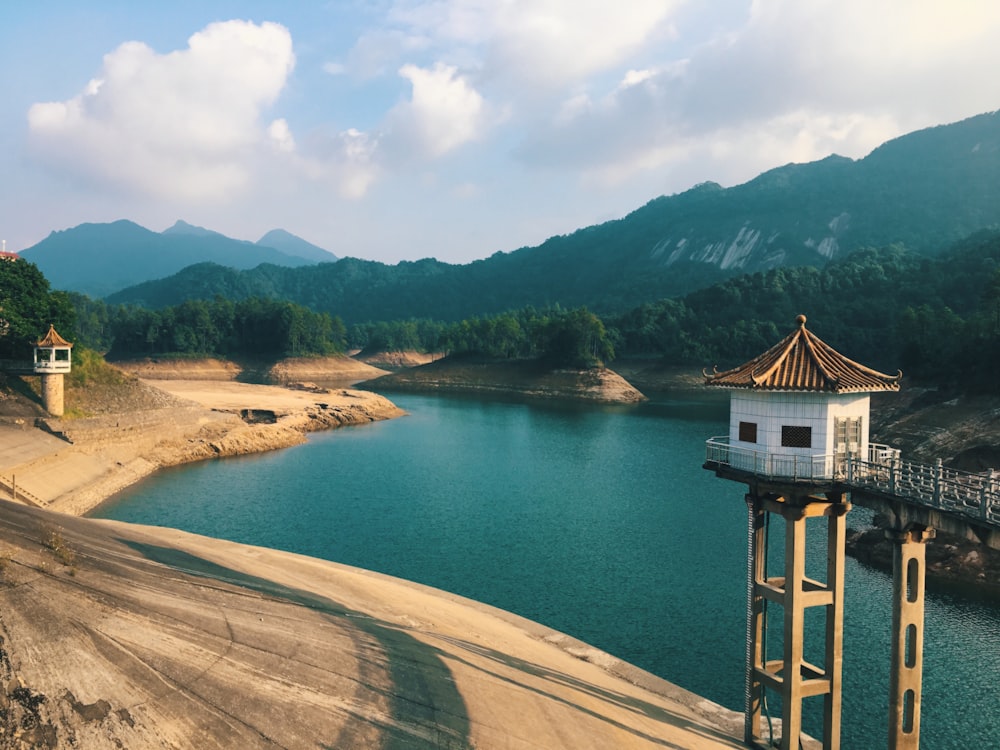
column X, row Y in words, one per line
column 965, row 493
column 763, row 463
column 52, row 365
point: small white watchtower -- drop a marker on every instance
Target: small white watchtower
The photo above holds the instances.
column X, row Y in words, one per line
column 797, row 413
column 52, row 360
column 798, row 410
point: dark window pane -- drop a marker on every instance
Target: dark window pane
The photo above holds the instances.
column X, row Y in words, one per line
column 796, row 437
column 748, row 432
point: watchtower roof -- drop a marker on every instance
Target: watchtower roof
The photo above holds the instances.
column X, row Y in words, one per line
column 53, row 339
column 802, row 362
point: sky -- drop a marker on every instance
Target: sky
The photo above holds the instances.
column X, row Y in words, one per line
column 404, row 129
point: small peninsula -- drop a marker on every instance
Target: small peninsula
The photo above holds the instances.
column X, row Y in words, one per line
column 521, row 378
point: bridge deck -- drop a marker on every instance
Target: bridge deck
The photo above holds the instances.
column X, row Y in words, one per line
column 974, row 498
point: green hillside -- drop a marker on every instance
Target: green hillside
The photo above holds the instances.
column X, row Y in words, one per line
column 923, row 191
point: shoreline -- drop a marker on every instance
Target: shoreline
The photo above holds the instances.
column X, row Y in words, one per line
column 123, row 635
column 531, row 379
column 131, row 603
column 75, row 465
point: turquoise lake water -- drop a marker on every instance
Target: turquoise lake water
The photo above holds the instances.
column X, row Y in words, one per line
column 596, row 521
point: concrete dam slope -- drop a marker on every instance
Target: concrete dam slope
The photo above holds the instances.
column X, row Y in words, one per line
column 114, row 635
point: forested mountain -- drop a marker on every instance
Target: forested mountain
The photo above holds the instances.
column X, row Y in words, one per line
column 935, row 317
column 98, row 259
column 924, row 191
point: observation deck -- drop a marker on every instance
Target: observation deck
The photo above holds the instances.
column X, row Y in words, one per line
column 967, row 498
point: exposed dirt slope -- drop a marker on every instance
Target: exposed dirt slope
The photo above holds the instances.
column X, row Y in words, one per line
column 520, row 378
column 393, row 361
column 339, row 369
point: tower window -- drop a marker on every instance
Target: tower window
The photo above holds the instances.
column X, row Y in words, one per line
column 748, row 432
column 793, row 436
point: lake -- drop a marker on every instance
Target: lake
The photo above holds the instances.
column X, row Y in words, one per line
column 597, row 521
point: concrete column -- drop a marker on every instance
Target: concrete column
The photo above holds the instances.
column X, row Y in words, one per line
column 834, row 655
column 794, row 629
column 756, row 570
column 52, row 393
column 907, row 657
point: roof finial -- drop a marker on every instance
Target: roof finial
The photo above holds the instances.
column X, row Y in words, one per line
column 801, row 320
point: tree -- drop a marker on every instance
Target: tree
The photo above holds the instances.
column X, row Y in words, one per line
column 28, row 307
column 576, row 338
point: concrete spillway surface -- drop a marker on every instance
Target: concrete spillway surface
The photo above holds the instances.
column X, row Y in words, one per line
column 116, row 635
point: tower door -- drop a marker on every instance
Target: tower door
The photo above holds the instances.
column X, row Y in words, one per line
column 846, row 438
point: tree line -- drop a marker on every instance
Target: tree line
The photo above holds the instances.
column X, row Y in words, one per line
column 263, row 327
column 936, row 318
column 250, row 327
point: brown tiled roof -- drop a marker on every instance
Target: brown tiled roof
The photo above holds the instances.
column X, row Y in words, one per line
column 52, row 338
column 802, row 362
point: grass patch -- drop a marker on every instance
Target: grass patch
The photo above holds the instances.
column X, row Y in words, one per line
column 56, row 544
column 89, row 368
column 75, row 412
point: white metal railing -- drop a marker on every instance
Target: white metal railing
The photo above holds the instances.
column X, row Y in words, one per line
column 973, row 495
column 763, row 463
column 62, row 365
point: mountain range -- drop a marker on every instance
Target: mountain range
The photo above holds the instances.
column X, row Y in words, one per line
column 98, row 259
column 923, row 190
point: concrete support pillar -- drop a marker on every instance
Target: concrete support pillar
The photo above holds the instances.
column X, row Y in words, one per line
column 52, row 393
column 791, row 676
column 907, row 656
column 794, row 630
column 836, row 542
column 756, row 572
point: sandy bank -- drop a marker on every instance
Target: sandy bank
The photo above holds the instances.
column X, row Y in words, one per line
column 530, row 379
column 339, row 369
column 170, row 422
column 116, row 635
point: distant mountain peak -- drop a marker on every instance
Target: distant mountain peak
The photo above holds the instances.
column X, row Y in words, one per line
column 286, row 242
column 182, row 227
column 279, row 234
column 98, row 259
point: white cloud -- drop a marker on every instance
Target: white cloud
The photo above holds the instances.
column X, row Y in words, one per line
column 175, row 125
column 540, row 43
column 553, row 42
column 443, row 113
column 357, row 170
column 281, row 135
column 795, row 82
column 635, row 77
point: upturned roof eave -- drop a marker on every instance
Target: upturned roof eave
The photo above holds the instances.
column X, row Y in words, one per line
column 816, row 366
column 52, row 339
column 786, row 389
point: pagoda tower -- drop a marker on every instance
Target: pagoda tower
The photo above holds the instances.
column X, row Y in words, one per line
column 797, row 413
column 53, row 360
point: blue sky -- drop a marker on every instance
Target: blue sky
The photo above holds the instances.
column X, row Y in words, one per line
column 403, row 129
